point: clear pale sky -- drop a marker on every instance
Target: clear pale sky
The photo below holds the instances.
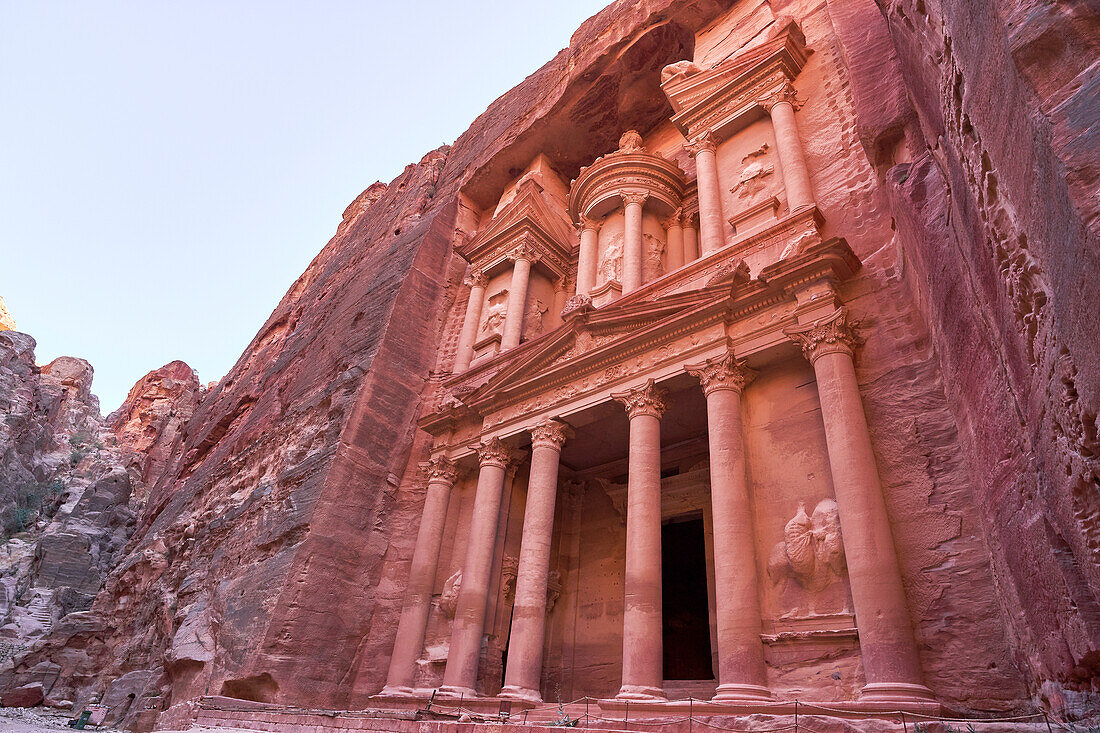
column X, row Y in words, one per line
column 167, row 169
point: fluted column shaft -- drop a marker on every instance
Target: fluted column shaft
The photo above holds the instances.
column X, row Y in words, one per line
column 788, row 144
column 704, row 150
column 587, row 258
column 691, row 241
column 524, row 670
column 517, row 299
column 643, row 645
column 632, row 242
column 476, row 282
column 409, row 641
column 675, row 242
column 460, row 676
column 887, row 647
column 741, row 670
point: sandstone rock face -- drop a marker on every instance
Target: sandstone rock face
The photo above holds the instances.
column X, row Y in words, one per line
column 7, row 323
column 277, row 512
column 149, row 424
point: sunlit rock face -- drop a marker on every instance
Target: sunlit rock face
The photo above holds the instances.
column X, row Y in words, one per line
column 800, row 294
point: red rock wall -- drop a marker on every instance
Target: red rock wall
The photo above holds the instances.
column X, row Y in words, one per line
column 996, row 219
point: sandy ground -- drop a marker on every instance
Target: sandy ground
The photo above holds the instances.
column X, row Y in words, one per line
column 40, row 720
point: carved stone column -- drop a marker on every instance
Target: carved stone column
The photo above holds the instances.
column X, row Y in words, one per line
column 886, row 644
column 524, row 670
column 691, row 239
column 476, row 281
column 643, row 658
column 796, row 176
column 588, row 257
column 741, row 671
column 522, row 258
column 633, row 256
column 409, row 641
column 675, row 241
column 460, row 676
column 704, row 150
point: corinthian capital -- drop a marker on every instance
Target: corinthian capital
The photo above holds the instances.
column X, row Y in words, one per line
column 589, row 223
column 476, row 279
column 645, row 400
column 440, row 470
column 550, row 434
column 830, row 335
column 722, row 372
column 524, row 250
column 635, row 197
column 701, row 143
column 784, row 93
column 494, row 453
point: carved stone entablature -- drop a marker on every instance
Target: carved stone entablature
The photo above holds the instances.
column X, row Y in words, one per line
column 439, row 469
column 723, row 372
column 529, row 223
column 685, row 493
column 830, row 335
column 603, row 186
column 724, row 99
column 648, row 399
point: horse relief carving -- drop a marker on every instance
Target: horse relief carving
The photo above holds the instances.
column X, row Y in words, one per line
column 811, row 555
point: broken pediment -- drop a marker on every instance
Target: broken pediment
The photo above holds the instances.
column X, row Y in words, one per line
column 729, row 96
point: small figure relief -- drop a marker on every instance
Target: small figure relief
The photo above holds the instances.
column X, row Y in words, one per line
column 509, row 571
column 611, row 259
column 532, row 319
column 553, row 589
column 809, row 561
column 800, row 244
column 448, row 600
column 654, row 249
column 495, row 313
column 680, row 68
column 631, row 142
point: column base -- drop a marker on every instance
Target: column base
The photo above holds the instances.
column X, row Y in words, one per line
column 520, row 694
column 641, row 692
column 397, row 691
column 735, row 692
column 895, row 692
column 456, row 691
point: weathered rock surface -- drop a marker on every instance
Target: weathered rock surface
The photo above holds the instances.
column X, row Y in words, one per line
column 953, row 146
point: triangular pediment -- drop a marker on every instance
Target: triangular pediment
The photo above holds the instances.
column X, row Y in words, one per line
column 718, row 99
column 585, row 340
column 530, row 217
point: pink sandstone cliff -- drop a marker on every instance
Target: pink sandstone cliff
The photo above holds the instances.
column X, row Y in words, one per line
column 954, row 149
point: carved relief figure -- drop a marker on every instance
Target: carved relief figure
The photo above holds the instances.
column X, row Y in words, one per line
column 630, row 142
column 532, row 320
column 611, row 259
column 495, row 313
column 448, row 600
column 680, row 68
column 810, row 557
column 654, row 249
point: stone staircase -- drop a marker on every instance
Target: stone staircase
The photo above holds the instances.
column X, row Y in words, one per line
column 39, row 607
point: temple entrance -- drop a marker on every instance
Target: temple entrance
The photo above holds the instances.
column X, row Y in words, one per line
column 684, row 597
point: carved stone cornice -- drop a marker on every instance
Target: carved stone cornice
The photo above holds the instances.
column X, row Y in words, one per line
column 701, row 143
column 727, row 97
column 476, row 279
column 785, row 93
column 647, row 399
column 550, row 434
column 439, row 470
column 723, row 372
column 494, row 453
column 833, row 334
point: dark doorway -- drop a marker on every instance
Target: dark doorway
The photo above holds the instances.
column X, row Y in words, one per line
column 686, row 611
